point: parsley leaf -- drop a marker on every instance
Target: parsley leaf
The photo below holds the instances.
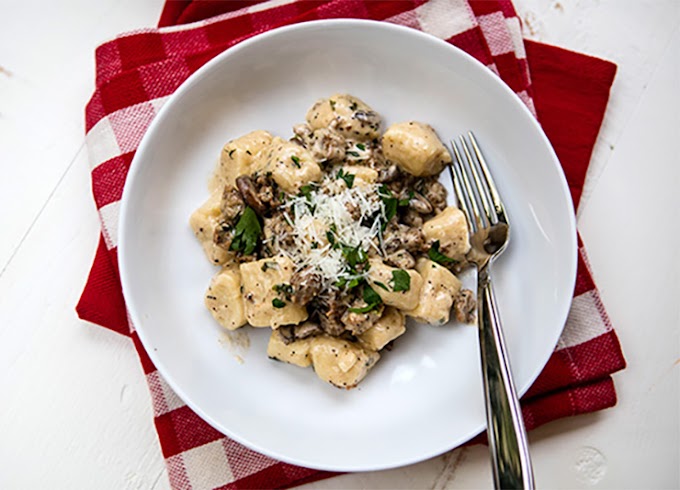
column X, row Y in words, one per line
column 306, row 191
column 285, row 289
column 354, row 256
column 378, row 283
column 351, row 284
column 361, row 146
column 247, row 232
column 296, row 161
column 404, row 202
column 332, row 103
column 231, row 152
column 277, row 303
column 354, row 283
column 436, row 256
column 390, row 203
column 348, row 178
column 352, row 153
column 401, row 280
column 371, row 298
column 390, row 209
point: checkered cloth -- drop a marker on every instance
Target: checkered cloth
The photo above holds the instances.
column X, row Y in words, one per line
column 138, row 71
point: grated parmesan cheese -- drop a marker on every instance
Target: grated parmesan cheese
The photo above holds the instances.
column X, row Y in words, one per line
column 329, row 208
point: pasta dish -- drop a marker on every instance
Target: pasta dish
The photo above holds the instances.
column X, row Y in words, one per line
column 334, row 237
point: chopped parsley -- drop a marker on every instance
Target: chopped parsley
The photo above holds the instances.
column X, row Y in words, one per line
column 306, row 191
column 247, row 232
column 378, row 283
column 353, row 106
column 371, row 298
column 285, row 289
column 354, row 282
column 351, row 284
column 361, row 146
column 352, row 153
column 354, row 256
column 332, row 103
column 391, row 203
column 436, row 256
column 296, row 161
column 348, row 178
column 404, row 202
column 401, row 280
column 231, row 152
column 277, row 303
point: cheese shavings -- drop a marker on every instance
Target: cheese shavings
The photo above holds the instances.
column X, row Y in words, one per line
column 327, row 218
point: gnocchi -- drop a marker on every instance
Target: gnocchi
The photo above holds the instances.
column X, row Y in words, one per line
column 440, row 288
column 333, row 238
column 415, row 148
column 223, row 298
column 449, row 228
column 240, row 157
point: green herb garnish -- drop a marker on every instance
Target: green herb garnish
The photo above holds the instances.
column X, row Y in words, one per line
column 348, row 178
column 296, row 161
column 404, row 202
column 231, row 152
column 277, row 303
column 332, row 103
column 378, row 283
column 361, row 146
column 354, row 283
column 351, row 284
column 371, row 298
column 247, row 232
column 284, row 289
column 401, row 280
column 436, row 256
column 306, row 191
column 391, row 203
column 354, row 256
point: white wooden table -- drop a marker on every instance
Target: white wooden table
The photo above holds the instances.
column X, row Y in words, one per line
column 74, row 407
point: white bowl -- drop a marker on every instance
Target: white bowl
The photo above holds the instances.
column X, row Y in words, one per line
column 424, row 397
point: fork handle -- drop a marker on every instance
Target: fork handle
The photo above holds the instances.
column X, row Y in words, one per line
column 507, row 437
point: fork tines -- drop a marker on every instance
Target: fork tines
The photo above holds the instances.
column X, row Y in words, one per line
column 473, row 185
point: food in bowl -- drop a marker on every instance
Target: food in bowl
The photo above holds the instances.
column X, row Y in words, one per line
column 333, row 237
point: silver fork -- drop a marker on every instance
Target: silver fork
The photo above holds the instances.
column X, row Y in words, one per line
column 489, row 229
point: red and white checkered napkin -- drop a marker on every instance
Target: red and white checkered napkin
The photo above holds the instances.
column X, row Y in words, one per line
column 138, row 71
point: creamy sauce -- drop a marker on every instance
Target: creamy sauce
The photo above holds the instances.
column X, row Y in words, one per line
column 237, row 342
